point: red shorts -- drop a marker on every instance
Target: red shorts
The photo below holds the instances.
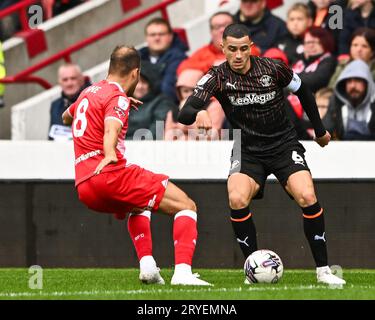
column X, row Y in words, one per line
column 120, row 191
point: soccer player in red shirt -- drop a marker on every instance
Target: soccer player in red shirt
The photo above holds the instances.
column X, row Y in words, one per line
column 106, row 182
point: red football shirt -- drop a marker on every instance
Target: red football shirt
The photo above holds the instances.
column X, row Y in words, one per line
column 97, row 103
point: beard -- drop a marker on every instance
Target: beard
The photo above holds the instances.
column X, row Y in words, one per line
column 131, row 89
column 355, row 97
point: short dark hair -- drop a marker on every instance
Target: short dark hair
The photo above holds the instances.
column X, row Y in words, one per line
column 159, row 20
column 123, row 60
column 236, row 30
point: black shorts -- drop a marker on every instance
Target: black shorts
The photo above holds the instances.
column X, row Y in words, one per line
column 281, row 163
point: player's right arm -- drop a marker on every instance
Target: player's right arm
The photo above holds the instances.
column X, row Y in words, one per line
column 67, row 116
column 115, row 116
column 194, row 107
column 112, row 129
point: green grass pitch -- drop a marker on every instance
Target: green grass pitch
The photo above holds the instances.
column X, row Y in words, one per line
column 87, row 284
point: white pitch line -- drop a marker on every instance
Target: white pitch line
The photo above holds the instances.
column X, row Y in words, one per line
column 158, row 291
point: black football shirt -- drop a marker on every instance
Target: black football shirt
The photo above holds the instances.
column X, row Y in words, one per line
column 253, row 102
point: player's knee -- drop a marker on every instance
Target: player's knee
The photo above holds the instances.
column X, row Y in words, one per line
column 187, row 204
column 307, row 198
column 190, row 205
column 238, row 200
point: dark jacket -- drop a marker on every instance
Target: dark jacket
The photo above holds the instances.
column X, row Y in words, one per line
column 292, row 46
column 354, row 122
column 61, row 104
column 352, row 21
column 316, row 71
column 168, row 63
column 155, row 105
column 325, row 24
column 267, row 31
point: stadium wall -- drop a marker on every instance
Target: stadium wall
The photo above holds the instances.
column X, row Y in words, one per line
column 42, row 222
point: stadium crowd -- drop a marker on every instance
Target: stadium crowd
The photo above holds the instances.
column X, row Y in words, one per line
column 337, row 63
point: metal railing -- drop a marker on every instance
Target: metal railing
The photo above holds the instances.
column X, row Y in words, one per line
column 26, row 76
column 19, row 7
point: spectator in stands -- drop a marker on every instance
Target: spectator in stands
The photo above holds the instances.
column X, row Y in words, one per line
column 362, row 46
column 316, row 67
column 55, row 7
column 353, row 105
column 298, row 21
column 2, row 75
column 321, row 16
column 276, row 53
column 318, row 64
column 9, row 24
column 265, row 28
column 155, row 104
column 210, row 55
column 165, row 49
column 72, row 82
column 359, row 13
column 177, row 131
column 322, row 98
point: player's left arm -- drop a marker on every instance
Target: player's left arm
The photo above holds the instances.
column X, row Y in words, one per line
column 307, row 100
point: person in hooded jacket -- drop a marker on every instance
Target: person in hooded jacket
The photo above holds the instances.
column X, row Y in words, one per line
column 352, row 106
column 143, row 122
column 165, row 49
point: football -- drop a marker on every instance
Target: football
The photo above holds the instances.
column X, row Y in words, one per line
column 263, row 266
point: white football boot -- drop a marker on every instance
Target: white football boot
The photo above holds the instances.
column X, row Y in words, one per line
column 149, row 272
column 188, row 279
column 324, row 275
column 183, row 276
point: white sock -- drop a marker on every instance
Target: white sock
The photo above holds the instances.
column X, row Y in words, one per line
column 147, row 263
column 182, row 268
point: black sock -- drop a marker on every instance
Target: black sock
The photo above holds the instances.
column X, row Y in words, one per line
column 244, row 229
column 313, row 225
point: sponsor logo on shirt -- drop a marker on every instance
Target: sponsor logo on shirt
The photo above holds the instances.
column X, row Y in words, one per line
column 204, row 79
column 120, row 112
column 86, row 156
column 251, row 98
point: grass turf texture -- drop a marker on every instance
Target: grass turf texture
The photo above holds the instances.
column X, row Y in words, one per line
column 86, row 284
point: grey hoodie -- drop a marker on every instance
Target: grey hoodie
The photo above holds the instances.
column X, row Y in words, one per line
column 363, row 112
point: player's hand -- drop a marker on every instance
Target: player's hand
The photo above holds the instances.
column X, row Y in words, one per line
column 134, row 103
column 203, row 121
column 324, row 140
column 106, row 161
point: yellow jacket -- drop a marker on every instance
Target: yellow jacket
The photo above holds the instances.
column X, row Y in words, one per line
column 2, row 71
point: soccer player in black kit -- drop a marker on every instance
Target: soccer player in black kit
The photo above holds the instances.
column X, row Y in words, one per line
column 250, row 90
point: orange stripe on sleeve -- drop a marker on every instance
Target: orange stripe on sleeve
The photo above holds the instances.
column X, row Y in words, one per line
column 241, row 219
column 313, row 216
